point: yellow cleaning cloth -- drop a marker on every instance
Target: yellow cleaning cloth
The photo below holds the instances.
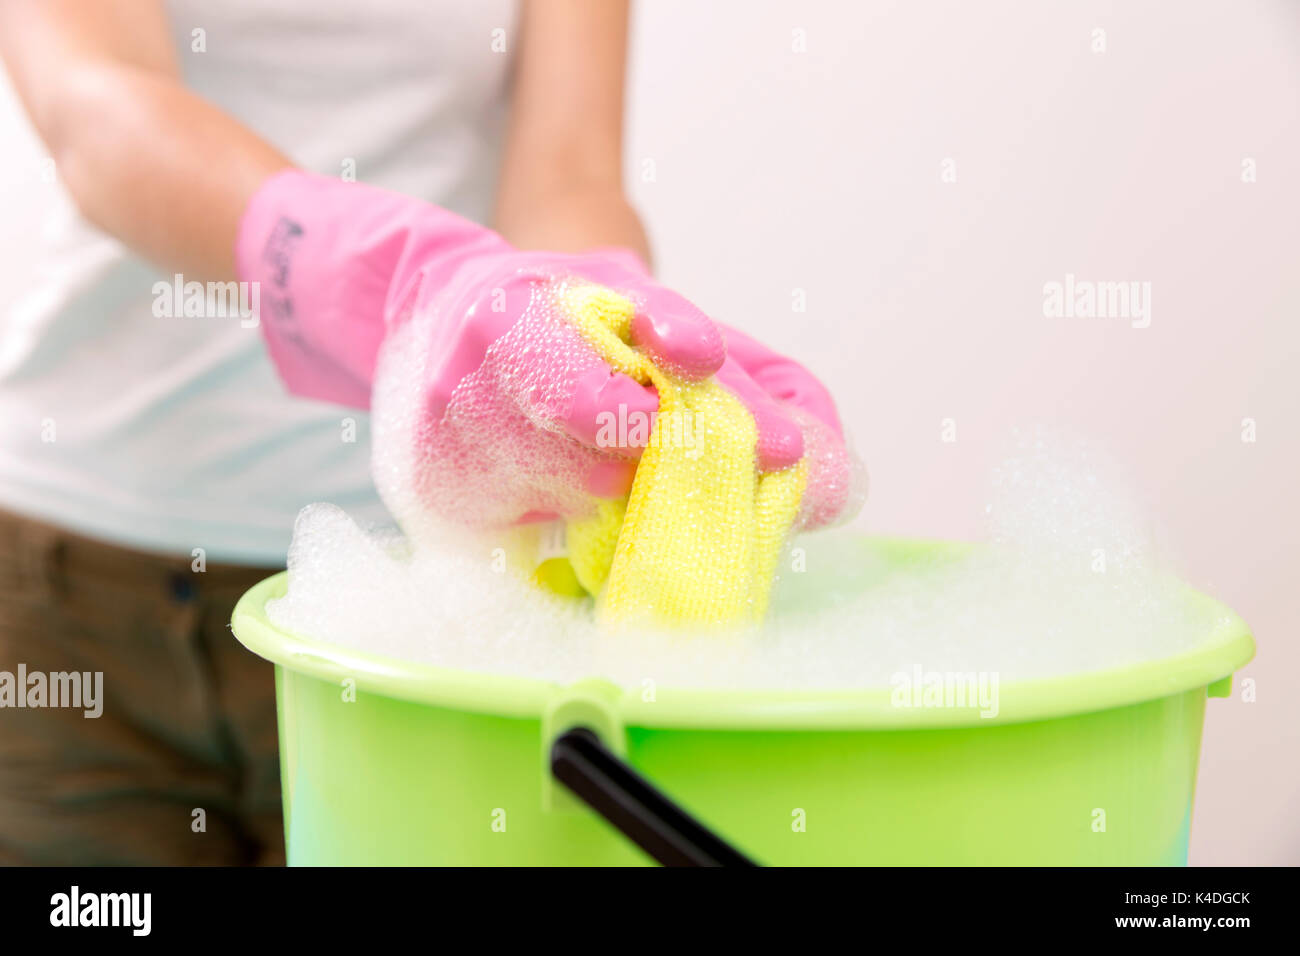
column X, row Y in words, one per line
column 697, row 540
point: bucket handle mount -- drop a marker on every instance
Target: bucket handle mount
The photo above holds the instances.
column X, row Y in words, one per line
column 634, row 806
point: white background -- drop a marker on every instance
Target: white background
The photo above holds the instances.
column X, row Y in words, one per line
column 776, row 170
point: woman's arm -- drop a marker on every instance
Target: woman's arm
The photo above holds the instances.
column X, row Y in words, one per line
column 145, row 160
column 562, row 176
column 169, row 174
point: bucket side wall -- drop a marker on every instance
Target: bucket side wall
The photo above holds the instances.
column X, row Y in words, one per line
column 373, row 780
column 1108, row 788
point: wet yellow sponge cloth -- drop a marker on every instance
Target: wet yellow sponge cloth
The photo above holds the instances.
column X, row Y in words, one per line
column 697, row 540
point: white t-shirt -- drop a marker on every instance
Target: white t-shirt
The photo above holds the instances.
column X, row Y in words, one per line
column 171, row 434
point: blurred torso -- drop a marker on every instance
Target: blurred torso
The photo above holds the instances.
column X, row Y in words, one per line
column 170, row 433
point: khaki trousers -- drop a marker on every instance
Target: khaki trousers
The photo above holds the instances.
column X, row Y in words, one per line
column 181, row 765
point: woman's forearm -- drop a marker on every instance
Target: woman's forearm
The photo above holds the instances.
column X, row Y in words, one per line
column 562, row 173
column 146, row 160
column 156, row 166
column 572, row 220
column 169, row 174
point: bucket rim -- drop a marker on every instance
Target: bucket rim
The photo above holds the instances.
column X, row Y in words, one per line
column 1227, row 648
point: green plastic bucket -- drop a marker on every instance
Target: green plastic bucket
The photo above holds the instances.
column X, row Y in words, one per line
column 390, row 762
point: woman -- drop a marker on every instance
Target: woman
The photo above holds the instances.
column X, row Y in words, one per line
column 152, row 459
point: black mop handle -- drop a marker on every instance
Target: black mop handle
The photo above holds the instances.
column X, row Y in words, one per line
column 634, row 806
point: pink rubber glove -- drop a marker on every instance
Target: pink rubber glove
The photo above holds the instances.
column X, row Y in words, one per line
column 796, row 418
column 341, row 265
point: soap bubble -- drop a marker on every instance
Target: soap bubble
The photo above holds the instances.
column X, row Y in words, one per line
column 1066, row 582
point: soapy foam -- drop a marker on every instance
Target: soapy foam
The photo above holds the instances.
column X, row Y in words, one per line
column 1067, row 582
column 496, row 452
